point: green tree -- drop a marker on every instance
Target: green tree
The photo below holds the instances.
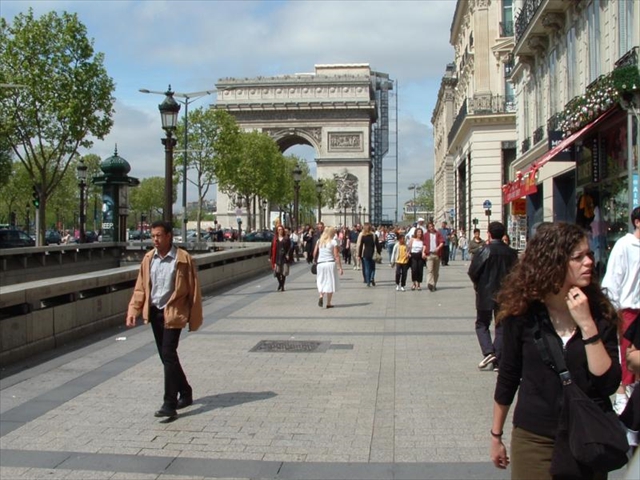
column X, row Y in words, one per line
column 67, row 98
column 425, row 195
column 148, row 198
column 253, row 167
column 6, row 161
column 210, row 131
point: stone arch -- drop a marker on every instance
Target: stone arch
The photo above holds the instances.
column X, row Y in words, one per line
column 334, row 110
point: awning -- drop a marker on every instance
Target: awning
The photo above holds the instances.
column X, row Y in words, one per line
column 525, row 183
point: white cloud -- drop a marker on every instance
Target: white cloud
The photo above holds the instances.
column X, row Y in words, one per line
column 191, row 44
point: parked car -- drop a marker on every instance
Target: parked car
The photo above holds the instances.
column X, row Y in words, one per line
column 10, row 238
column 230, row 234
column 52, row 237
column 90, row 236
column 259, row 236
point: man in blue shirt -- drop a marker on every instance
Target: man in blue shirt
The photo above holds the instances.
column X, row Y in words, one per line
column 445, row 232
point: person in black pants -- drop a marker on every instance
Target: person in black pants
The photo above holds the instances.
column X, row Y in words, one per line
column 487, row 270
column 167, row 294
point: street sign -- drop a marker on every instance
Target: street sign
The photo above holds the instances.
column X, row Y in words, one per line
column 452, row 212
column 487, row 205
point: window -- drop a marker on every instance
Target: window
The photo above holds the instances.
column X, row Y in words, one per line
column 626, row 27
column 553, row 83
column 509, row 92
column 593, row 15
column 572, row 67
column 506, row 25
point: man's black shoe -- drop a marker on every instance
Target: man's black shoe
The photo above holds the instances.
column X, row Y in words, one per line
column 184, row 401
column 166, row 412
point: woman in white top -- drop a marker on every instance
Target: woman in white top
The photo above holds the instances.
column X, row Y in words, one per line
column 328, row 256
column 416, row 245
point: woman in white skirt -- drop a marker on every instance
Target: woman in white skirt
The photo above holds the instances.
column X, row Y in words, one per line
column 328, row 258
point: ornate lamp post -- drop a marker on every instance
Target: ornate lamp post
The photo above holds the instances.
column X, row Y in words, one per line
column 353, row 215
column 364, row 214
column 265, row 220
column 319, row 187
column 297, row 176
column 414, row 187
column 82, row 183
column 169, row 109
column 359, row 213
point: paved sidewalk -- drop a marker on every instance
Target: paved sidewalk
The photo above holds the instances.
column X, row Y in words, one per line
column 392, row 391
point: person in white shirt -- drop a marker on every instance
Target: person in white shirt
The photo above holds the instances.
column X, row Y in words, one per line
column 420, row 224
column 622, row 284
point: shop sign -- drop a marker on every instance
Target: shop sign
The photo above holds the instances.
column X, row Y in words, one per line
column 555, row 137
column 519, row 188
column 519, row 207
column 588, row 163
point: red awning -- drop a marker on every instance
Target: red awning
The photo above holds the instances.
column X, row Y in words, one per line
column 525, row 183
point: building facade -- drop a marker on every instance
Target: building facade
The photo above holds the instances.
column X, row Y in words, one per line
column 474, row 120
column 577, row 90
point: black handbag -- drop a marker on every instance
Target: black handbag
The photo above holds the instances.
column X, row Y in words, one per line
column 589, row 436
column 314, row 268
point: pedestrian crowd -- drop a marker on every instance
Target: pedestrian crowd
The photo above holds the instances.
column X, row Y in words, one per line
column 542, row 301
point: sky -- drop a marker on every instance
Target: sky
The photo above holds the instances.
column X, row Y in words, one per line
column 192, row 44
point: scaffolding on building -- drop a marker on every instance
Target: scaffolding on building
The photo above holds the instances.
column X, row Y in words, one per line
column 379, row 143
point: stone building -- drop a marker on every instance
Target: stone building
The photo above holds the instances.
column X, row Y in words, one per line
column 577, row 88
column 474, row 120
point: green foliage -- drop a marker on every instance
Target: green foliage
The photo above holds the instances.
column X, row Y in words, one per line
column 6, row 159
column 148, row 197
column 66, row 98
column 424, row 197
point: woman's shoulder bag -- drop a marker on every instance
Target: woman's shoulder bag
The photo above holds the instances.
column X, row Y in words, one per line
column 593, row 438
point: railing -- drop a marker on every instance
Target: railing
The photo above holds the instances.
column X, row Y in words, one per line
column 629, row 59
column 526, row 145
column 538, row 135
column 484, row 104
column 524, row 17
column 506, row 29
column 553, row 123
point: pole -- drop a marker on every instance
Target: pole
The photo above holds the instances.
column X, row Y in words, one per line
column 38, row 242
column 184, row 171
column 168, row 142
column 296, row 206
column 82, row 215
column 630, row 180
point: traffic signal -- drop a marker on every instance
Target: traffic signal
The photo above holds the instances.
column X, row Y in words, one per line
column 36, row 197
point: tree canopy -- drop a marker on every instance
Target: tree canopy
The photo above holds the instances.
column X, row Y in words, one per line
column 64, row 98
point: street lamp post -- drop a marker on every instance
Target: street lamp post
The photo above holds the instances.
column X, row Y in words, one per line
column 319, row 187
column 82, row 183
column 297, row 176
column 169, row 109
column 364, row 214
column 414, row 187
column 353, row 215
column 188, row 98
column 265, row 221
column 359, row 213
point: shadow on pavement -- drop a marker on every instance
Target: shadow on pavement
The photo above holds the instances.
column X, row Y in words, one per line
column 222, row 400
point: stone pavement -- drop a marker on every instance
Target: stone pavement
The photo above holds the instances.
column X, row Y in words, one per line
column 392, row 392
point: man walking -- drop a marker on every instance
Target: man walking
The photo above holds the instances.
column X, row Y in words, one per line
column 446, row 235
column 488, row 267
column 622, row 283
column 167, row 295
column 433, row 252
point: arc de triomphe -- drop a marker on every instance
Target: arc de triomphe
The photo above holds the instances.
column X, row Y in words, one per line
column 336, row 110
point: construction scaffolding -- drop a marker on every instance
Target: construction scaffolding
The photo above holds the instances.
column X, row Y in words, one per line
column 381, row 86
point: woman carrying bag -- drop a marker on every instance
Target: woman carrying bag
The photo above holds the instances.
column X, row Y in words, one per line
column 551, row 290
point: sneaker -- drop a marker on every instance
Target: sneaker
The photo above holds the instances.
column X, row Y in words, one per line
column 402, row 289
column 397, row 288
column 487, row 360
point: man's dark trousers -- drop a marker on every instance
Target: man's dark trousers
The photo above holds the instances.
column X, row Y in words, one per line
column 483, row 332
column 167, row 339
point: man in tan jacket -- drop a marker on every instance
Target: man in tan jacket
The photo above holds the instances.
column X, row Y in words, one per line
column 167, row 294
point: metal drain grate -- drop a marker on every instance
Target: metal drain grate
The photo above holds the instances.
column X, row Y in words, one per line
column 290, row 346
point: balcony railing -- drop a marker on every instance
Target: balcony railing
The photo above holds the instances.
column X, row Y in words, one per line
column 485, row 104
column 538, row 135
column 526, row 145
column 525, row 15
column 553, row 123
column 506, row 29
column 629, row 59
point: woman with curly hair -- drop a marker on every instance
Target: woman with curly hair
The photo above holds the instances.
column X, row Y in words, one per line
column 281, row 256
column 551, row 286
